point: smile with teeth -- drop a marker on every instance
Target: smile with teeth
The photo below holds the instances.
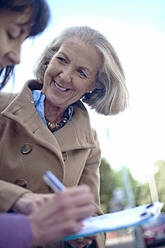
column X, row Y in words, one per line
column 60, row 87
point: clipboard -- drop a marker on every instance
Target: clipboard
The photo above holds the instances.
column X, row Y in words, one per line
column 118, row 220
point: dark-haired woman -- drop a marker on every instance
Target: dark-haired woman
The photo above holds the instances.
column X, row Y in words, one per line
column 19, row 19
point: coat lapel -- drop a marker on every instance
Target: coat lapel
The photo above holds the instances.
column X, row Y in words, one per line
column 22, row 110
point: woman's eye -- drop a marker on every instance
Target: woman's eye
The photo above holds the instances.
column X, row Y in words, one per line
column 82, row 74
column 10, row 36
column 13, row 35
column 61, row 59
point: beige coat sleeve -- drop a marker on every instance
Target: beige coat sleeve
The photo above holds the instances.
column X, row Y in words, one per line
column 10, row 191
column 91, row 177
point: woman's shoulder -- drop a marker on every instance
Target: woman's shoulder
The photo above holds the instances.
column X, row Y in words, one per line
column 80, row 105
column 80, row 111
column 5, row 99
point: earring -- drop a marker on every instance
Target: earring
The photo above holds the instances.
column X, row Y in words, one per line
column 90, row 91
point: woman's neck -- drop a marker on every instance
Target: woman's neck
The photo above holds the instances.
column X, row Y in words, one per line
column 52, row 113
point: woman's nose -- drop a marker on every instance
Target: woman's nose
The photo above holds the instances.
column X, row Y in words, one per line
column 66, row 75
column 14, row 57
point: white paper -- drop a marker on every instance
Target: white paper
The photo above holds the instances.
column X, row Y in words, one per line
column 118, row 220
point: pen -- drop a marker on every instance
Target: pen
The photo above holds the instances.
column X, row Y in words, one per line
column 53, row 182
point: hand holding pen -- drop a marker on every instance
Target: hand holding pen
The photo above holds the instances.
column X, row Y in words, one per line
column 82, row 196
column 83, row 207
column 55, row 216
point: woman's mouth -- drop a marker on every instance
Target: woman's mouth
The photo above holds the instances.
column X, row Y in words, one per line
column 59, row 87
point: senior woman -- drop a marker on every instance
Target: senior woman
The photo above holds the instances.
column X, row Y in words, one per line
column 47, row 127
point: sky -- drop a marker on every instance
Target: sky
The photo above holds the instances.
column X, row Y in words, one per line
column 136, row 29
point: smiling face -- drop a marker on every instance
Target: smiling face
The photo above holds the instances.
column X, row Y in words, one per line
column 13, row 31
column 71, row 73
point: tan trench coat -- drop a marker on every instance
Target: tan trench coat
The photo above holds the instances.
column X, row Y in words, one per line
column 28, row 149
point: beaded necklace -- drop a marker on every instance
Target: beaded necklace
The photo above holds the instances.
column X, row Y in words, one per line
column 53, row 126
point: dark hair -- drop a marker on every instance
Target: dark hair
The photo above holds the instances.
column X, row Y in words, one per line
column 39, row 19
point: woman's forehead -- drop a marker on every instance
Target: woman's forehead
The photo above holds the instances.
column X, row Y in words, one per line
column 81, row 52
column 20, row 18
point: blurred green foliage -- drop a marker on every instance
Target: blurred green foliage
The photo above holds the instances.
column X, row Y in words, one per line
column 160, row 180
column 107, row 184
column 111, row 179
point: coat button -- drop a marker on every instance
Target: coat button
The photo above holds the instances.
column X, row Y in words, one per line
column 21, row 183
column 26, row 148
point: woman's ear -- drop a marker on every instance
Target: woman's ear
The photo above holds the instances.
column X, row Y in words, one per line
column 91, row 88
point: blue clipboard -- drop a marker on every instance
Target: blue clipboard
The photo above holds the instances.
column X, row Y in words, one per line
column 118, row 220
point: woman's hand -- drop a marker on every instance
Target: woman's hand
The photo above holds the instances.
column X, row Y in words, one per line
column 82, row 242
column 62, row 215
column 29, row 202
